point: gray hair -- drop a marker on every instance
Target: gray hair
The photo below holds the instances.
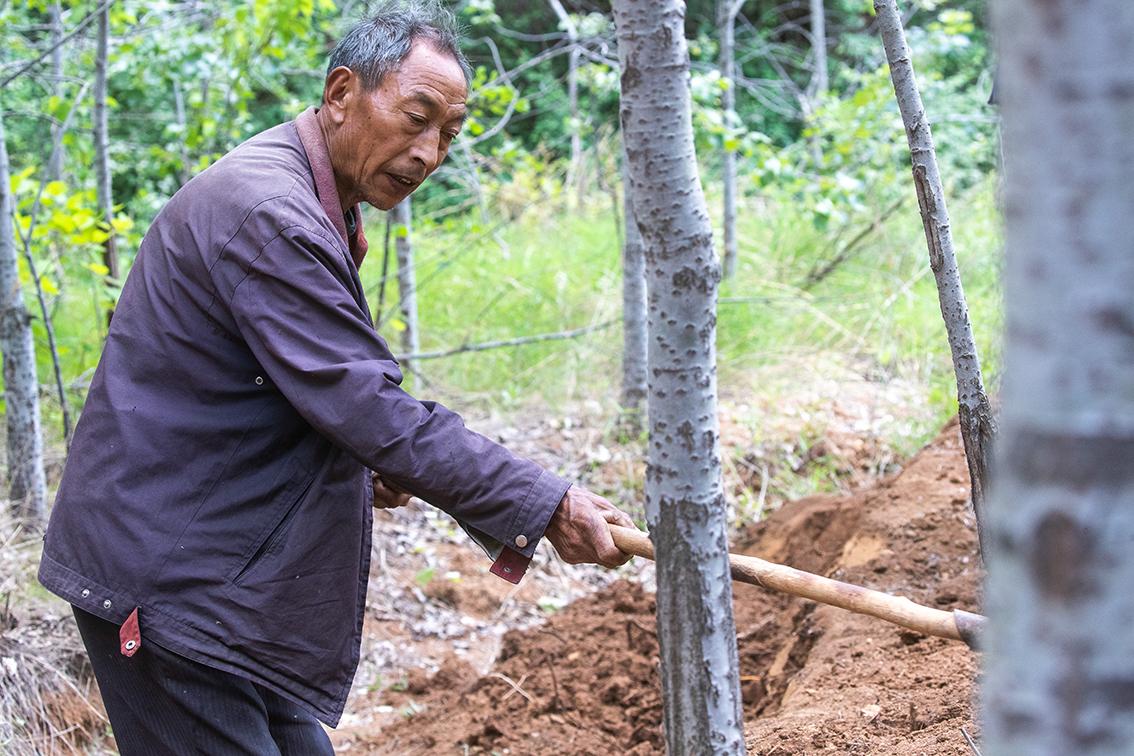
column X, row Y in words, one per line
column 376, row 46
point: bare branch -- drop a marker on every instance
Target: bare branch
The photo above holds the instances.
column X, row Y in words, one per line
column 62, row 40
column 501, row 343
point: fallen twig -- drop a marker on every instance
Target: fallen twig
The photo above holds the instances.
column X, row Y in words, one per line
column 971, row 742
column 515, row 686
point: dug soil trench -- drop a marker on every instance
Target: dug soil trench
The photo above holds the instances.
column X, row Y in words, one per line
column 815, row 679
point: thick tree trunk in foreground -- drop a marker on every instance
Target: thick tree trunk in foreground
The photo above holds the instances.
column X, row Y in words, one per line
column 1060, row 667
column 726, row 27
column 407, row 279
column 27, row 489
column 977, row 422
column 102, row 146
column 634, row 353
column 685, row 504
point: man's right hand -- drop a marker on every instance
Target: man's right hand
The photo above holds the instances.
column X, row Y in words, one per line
column 579, row 529
column 386, row 494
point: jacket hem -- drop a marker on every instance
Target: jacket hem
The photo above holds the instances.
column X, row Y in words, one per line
column 158, row 626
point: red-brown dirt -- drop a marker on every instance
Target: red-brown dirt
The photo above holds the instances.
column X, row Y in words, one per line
column 814, row 678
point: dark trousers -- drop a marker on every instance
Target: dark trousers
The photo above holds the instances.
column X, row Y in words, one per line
column 161, row 703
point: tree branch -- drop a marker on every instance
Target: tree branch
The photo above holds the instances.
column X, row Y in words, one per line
column 62, row 40
column 518, row 341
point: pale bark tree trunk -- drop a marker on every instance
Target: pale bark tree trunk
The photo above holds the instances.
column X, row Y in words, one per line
column 183, row 152
column 685, row 504
column 102, row 146
column 407, row 281
column 1060, row 665
column 819, row 80
column 55, row 162
column 977, row 421
column 572, row 183
column 634, row 353
column 726, row 27
column 27, row 488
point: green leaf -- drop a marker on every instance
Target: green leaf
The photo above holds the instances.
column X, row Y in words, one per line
column 423, row 577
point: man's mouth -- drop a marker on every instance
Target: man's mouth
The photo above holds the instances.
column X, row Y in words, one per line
column 405, row 181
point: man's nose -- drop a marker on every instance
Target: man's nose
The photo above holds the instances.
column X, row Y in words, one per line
column 428, row 149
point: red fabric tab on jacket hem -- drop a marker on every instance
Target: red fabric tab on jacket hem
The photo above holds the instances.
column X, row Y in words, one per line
column 130, row 635
column 510, row 565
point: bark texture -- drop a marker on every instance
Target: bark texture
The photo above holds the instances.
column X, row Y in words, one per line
column 978, row 425
column 634, row 353
column 27, row 489
column 1060, row 667
column 726, row 27
column 102, row 142
column 407, row 279
column 685, row 503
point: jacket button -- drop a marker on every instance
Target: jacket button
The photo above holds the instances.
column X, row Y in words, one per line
column 259, row 380
column 106, row 604
column 521, row 541
column 85, row 592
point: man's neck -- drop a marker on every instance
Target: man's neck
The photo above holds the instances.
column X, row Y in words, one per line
column 327, row 129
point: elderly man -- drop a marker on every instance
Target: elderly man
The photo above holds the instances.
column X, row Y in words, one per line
column 212, row 528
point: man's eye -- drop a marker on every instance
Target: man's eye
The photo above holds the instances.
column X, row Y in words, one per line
column 417, row 119
column 450, row 135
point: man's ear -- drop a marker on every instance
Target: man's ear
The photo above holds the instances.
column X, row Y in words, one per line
column 341, row 86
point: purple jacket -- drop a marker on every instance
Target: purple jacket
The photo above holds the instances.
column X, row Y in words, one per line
column 218, row 480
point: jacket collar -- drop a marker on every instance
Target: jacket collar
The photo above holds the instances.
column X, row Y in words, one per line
column 311, row 136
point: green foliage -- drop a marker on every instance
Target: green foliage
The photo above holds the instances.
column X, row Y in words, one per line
column 498, row 255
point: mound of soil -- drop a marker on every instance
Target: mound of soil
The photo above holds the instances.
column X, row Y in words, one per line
column 813, row 678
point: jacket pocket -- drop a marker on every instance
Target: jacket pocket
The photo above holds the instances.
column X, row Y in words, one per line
column 273, row 536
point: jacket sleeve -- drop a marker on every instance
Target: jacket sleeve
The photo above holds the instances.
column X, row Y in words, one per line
column 316, row 343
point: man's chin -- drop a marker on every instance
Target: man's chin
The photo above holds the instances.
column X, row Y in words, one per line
column 385, row 202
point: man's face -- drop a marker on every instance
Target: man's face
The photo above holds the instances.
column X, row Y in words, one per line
column 385, row 142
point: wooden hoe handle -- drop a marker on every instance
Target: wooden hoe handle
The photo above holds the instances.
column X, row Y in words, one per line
column 955, row 625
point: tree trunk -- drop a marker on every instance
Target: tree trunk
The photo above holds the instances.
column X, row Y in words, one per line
column 685, row 504
column 407, row 282
column 572, row 183
column 1060, row 664
column 634, row 353
column 977, row 422
column 102, row 147
column 185, row 173
column 27, row 488
column 819, row 81
column 55, row 162
column 726, row 26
